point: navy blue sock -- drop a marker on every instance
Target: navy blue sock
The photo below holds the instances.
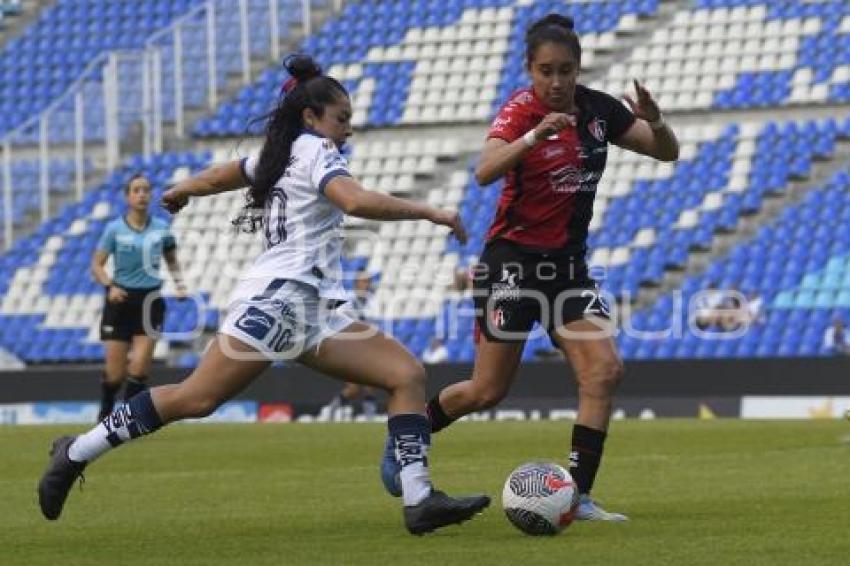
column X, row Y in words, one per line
column 133, row 419
column 143, row 412
column 411, row 434
column 410, row 427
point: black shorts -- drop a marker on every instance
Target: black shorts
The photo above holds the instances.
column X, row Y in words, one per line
column 514, row 288
column 122, row 321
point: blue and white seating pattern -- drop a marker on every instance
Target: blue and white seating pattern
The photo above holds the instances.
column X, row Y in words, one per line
column 26, row 199
column 797, row 265
column 430, row 61
column 744, row 54
column 42, row 63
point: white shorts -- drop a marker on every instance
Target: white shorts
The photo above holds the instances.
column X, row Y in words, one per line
column 282, row 318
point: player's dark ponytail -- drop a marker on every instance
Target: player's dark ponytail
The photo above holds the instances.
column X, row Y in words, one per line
column 307, row 88
column 553, row 28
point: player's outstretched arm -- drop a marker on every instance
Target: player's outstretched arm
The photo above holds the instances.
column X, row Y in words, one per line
column 354, row 200
column 210, row 181
column 650, row 134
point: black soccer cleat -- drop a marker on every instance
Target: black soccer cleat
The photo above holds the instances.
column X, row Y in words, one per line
column 439, row 510
column 58, row 478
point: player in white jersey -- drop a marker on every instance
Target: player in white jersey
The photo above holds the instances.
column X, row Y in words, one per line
column 287, row 304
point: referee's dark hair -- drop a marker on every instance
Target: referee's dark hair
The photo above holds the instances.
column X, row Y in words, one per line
column 308, row 87
column 132, row 178
column 553, row 28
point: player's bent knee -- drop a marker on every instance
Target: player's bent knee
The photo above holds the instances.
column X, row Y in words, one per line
column 407, row 376
column 602, row 378
column 189, row 404
column 486, row 398
column 202, row 407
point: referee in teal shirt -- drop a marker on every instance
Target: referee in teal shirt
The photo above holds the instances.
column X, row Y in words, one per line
column 137, row 243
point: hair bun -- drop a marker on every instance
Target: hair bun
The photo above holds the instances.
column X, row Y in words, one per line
column 302, row 67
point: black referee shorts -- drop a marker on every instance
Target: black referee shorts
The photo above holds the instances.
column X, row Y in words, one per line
column 514, row 288
column 122, row 321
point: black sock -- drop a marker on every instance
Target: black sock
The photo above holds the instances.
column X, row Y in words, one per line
column 135, row 385
column 107, row 398
column 585, row 456
column 438, row 417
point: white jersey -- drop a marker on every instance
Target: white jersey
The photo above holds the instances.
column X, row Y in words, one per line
column 302, row 228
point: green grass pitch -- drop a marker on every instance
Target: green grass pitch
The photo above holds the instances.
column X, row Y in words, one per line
column 698, row 492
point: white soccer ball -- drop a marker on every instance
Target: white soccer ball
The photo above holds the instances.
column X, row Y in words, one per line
column 540, row 498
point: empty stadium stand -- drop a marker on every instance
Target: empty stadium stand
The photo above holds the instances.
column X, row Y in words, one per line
column 433, row 64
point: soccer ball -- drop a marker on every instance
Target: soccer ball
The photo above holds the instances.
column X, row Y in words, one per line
column 540, row 498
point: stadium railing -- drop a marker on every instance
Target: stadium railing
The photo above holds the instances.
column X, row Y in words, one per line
column 125, row 92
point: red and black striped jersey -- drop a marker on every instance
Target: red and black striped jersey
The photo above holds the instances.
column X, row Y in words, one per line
column 547, row 200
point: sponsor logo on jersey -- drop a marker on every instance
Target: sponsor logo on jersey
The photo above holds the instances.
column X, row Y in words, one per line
column 255, row 323
column 553, row 151
column 569, row 179
column 597, row 129
column 507, row 289
column 334, row 161
column 287, row 311
column 501, row 122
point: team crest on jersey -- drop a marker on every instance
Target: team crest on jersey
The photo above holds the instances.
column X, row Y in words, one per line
column 498, row 317
column 523, row 98
column 328, row 144
column 597, row 129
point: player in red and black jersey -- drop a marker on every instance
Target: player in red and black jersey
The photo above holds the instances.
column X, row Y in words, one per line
column 550, row 143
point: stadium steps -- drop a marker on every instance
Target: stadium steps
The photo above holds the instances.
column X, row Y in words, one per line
column 698, row 261
column 15, row 25
column 446, row 167
column 9, row 361
column 627, row 41
column 94, row 153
